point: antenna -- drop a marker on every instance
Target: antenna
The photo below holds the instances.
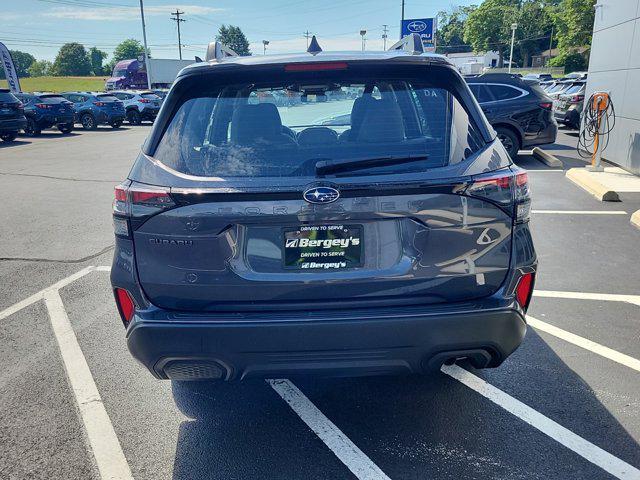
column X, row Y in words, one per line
column 218, row 51
column 177, row 19
column 411, row 44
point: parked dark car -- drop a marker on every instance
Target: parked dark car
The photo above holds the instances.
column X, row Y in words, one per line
column 93, row 109
column 253, row 241
column 12, row 118
column 518, row 109
column 568, row 107
column 46, row 111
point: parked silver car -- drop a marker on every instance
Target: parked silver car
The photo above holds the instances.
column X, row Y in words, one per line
column 139, row 105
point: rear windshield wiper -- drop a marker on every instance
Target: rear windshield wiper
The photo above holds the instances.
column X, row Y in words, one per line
column 324, row 167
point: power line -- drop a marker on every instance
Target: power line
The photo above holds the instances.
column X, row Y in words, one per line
column 175, row 16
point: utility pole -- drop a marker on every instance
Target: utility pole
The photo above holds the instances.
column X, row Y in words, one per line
column 385, row 30
column 178, row 20
column 264, row 46
column 363, row 32
column 147, row 63
column 307, row 35
column 551, row 42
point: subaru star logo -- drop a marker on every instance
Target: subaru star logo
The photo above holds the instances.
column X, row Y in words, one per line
column 321, row 195
column 417, row 26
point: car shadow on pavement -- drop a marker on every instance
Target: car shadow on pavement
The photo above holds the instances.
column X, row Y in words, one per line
column 411, row 427
column 16, row 143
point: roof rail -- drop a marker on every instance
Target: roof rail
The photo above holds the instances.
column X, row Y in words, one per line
column 219, row 51
column 411, row 43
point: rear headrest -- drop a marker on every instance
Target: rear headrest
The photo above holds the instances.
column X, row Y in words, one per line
column 382, row 123
column 254, row 122
column 317, row 136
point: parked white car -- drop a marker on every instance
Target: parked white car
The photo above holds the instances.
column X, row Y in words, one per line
column 140, row 105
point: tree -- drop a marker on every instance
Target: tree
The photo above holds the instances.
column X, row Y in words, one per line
column 233, row 38
column 96, row 57
column 22, row 61
column 128, row 49
column 574, row 23
column 535, row 23
column 489, row 26
column 40, row 68
column 451, row 29
column 72, row 60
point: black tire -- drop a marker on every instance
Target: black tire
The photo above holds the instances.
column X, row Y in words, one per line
column 8, row 136
column 115, row 125
column 134, row 117
column 32, row 129
column 88, row 122
column 510, row 141
column 65, row 128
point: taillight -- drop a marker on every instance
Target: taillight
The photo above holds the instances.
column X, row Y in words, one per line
column 577, row 98
column 126, row 305
column 144, row 100
column 43, row 106
column 134, row 203
column 99, row 104
column 546, row 105
column 315, row 67
column 510, row 190
column 524, row 290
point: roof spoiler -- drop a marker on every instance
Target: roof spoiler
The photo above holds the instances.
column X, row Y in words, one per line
column 411, row 44
column 219, row 51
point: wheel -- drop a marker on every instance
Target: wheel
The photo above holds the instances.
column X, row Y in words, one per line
column 133, row 117
column 509, row 140
column 32, row 129
column 88, row 122
column 65, row 128
column 9, row 136
column 116, row 125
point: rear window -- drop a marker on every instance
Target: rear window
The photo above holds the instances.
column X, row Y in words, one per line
column 54, row 99
column 150, row 96
column 575, row 88
column 6, row 97
column 287, row 124
column 107, row 98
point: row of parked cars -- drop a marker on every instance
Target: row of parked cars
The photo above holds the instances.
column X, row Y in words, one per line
column 33, row 112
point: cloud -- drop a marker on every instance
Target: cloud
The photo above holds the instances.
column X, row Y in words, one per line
column 124, row 13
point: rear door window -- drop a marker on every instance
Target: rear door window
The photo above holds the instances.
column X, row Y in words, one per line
column 108, row 98
column 53, row 99
column 287, row 126
column 481, row 92
column 6, row 97
column 504, row 92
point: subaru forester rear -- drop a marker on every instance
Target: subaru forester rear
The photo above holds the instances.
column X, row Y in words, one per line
column 255, row 237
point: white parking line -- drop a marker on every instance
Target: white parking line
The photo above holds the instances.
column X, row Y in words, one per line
column 585, row 343
column 343, row 448
column 607, row 297
column 554, row 430
column 581, row 212
column 103, row 441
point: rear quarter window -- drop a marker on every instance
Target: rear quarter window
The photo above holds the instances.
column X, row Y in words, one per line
column 504, row 92
column 6, row 97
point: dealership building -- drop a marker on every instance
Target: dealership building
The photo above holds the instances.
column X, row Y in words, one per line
column 614, row 67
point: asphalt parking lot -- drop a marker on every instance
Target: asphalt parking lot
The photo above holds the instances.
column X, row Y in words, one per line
column 75, row 405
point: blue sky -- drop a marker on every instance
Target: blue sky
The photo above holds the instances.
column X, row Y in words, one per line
column 41, row 26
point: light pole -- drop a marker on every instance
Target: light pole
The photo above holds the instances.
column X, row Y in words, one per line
column 264, row 46
column 385, row 29
column 514, row 27
column 147, row 63
column 362, row 34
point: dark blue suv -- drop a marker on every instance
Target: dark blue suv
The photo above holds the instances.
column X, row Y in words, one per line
column 93, row 109
column 254, row 241
column 12, row 118
column 46, row 111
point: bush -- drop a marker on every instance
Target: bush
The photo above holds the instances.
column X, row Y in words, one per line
column 572, row 62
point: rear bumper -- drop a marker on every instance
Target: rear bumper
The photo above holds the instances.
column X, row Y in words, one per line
column 51, row 120
column 110, row 117
column 13, row 124
column 546, row 136
column 411, row 341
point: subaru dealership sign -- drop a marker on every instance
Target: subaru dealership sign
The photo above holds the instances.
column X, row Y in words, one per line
column 9, row 69
column 425, row 27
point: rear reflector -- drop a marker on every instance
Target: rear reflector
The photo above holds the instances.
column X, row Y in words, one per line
column 523, row 290
column 315, row 67
column 125, row 304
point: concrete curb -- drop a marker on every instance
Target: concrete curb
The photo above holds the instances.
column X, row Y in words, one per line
column 546, row 158
column 581, row 177
column 635, row 219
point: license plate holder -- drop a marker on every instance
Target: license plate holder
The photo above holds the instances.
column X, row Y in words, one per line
column 323, row 247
